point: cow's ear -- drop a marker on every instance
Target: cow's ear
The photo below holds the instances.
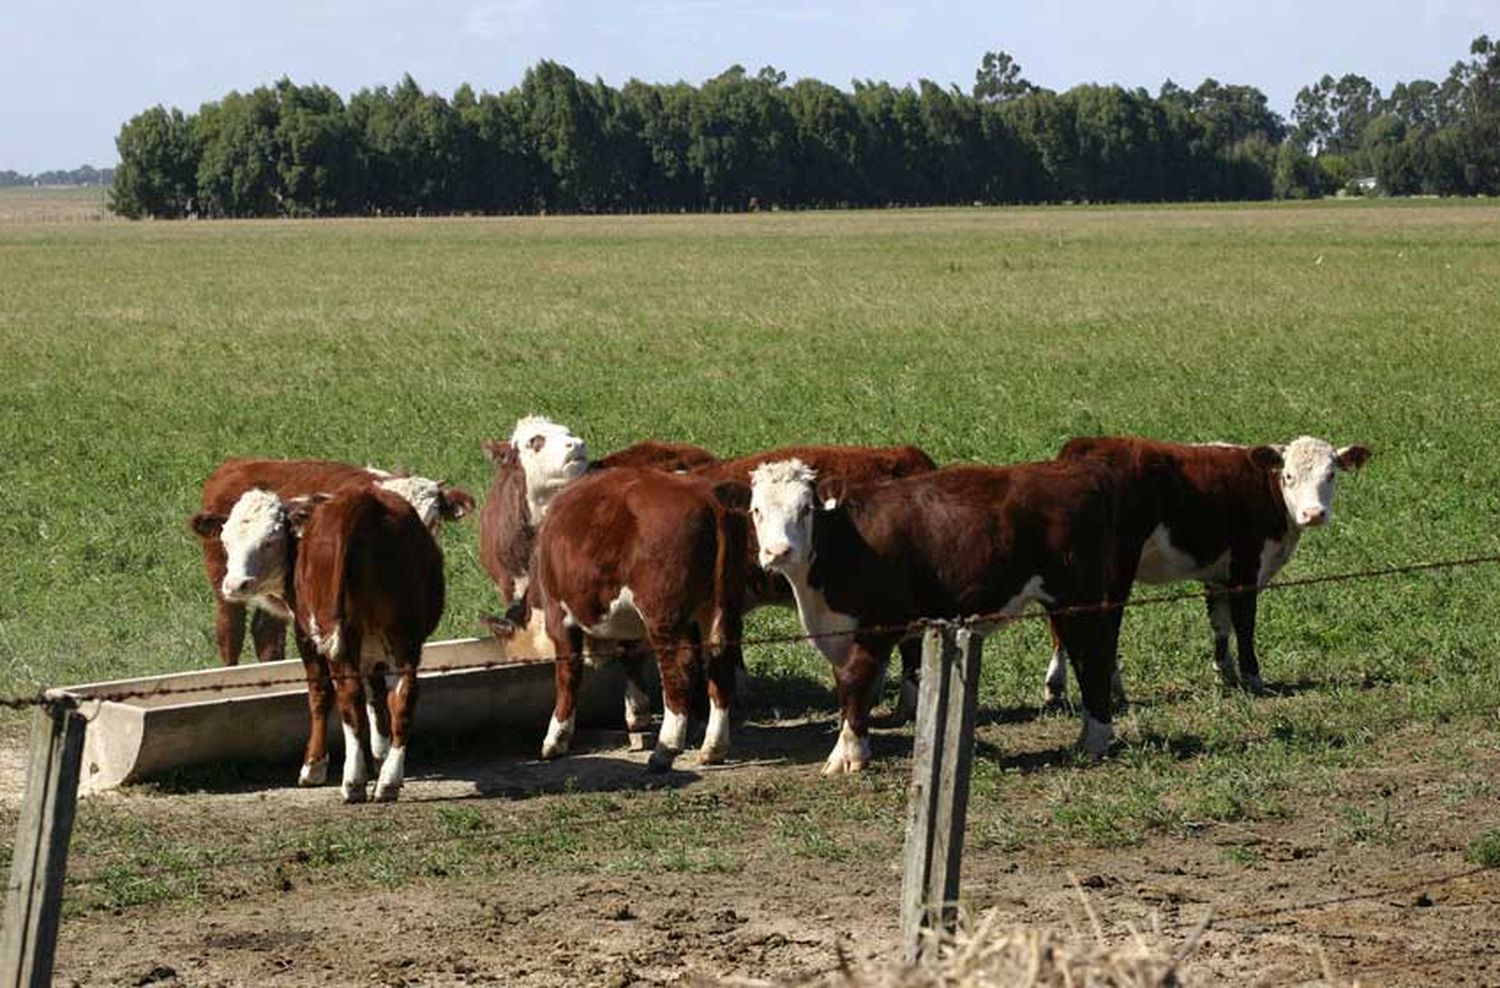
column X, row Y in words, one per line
column 733, row 495
column 830, row 493
column 499, row 452
column 1352, row 457
column 300, row 509
column 454, row 503
column 1266, row 457
column 206, row 524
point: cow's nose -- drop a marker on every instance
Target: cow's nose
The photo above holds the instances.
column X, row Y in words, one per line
column 773, row 554
column 1314, row 516
column 234, row 587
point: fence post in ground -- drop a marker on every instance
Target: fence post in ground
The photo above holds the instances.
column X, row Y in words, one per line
column 942, row 756
column 33, row 901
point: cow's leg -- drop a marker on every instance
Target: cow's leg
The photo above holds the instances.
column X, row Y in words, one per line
column 859, row 678
column 637, row 700
column 568, row 670
column 269, row 634
column 1056, row 695
column 722, row 665
column 378, row 709
column 1090, row 641
column 403, row 707
column 229, row 629
column 1219, row 617
column 1242, row 608
column 675, row 659
column 319, row 699
column 910, row 685
column 350, row 690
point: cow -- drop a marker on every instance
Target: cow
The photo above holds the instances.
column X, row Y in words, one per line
column 865, row 561
column 434, row 502
column 361, row 577
column 1227, row 516
column 658, row 455
column 539, row 460
column 852, row 465
column 630, row 555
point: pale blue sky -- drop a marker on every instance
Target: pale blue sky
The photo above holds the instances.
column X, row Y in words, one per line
column 72, row 71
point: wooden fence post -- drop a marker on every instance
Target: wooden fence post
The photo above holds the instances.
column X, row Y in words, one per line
column 39, row 857
column 942, row 757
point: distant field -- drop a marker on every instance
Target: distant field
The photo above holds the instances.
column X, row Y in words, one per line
column 54, row 204
column 133, row 357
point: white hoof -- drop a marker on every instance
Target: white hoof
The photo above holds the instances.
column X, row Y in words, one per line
column 559, row 737
column 387, row 794
column 851, row 753
column 313, row 773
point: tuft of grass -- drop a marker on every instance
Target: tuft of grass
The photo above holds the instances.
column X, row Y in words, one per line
column 1484, row 850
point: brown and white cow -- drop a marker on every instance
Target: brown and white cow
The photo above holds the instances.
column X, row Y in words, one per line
column 362, row 577
column 632, row 554
column 433, row 501
column 1226, row 516
column 540, row 459
column 850, row 465
column 863, row 560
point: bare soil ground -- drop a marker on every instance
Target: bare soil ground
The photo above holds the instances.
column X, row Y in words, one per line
column 1294, row 898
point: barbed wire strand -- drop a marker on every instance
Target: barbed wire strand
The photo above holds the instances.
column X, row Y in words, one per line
column 52, row 697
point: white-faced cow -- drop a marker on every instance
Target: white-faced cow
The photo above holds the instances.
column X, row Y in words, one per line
column 433, row 501
column 632, row 554
column 1226, row 516
column 847, row 464
column 953, row 543
column 540, row 459
column 362, row 577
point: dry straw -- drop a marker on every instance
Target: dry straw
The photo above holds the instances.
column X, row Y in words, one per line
column 989, row 952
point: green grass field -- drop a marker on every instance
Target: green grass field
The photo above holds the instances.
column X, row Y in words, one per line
column 136, row 356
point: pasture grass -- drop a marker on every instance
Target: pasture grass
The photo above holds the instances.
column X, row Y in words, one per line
column 134, row 357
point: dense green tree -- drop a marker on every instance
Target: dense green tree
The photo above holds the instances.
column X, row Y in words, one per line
column 1297, row 175
column 158, row 164
column 742, row 139
column 998, row 78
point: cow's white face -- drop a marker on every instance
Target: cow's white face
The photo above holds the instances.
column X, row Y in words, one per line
column 429, row 498
column 255, row 538
column 1309, row 467
column 783, row 496
column 551, row 456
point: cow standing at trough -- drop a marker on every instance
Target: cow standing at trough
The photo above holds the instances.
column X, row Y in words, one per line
column 539, row 460
column 362, row 577
column 434, row 502
column 865, row 562
column 1227, row 516
column 633, row 554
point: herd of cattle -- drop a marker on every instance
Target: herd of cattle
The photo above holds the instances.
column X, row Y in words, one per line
column 661, row 548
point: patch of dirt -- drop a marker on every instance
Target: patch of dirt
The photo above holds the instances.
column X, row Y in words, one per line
column 1290, row 903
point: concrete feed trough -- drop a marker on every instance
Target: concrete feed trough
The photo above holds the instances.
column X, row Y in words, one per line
column 228, row 717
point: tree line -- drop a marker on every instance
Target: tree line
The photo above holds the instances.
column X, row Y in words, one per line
column 558, row 143
column 83, row 175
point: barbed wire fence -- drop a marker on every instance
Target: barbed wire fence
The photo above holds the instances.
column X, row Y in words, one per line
column 44, row 698
column 937, row 796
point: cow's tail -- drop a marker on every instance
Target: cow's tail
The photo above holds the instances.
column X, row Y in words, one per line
column 341, row 562
column 729, row 581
